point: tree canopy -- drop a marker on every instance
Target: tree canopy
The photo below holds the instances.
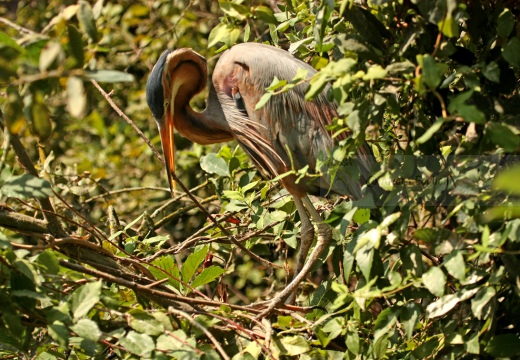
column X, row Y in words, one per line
column 98, row 259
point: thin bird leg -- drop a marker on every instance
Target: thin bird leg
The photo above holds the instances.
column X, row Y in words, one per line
column 306, row 238
column 324, row 237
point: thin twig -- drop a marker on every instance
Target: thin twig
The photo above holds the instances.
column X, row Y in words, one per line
column 128, row 120
column 18, row 27
column 203, row 329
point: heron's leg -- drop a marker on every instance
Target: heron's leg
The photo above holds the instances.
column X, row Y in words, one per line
column 324, row 237
column 306, row 238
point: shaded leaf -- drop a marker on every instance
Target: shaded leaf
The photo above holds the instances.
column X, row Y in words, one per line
column 86, row 20
column 25, row 186
column 501, row 346
column 508, row 180
column 511, row 52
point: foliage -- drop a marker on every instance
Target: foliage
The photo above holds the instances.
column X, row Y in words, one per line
column 97, row 260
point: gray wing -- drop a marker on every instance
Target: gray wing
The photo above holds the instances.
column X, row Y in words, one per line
column 288, row 132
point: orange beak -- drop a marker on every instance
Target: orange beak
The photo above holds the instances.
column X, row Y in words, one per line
column 168, row 144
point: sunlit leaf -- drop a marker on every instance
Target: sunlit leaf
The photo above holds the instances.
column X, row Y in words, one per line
column 144, row 323
column 85, row 298
column 109, row 76
column 76, row 96
column 207, row 275
column 213, row 164
column 192, row 263
column 138, row 344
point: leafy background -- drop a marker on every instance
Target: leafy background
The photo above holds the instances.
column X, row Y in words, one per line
column 99, row 261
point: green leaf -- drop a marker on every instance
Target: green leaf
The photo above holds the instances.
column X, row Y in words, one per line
column 138, row 344
column 265, row 14
column 263, row 100
column 87, row 329
column 76, row 97
column 26, row 186
column 385, row 322
column 375, row 72
column 503, row 136
column 505, row 24
column 480, row 300
column 364, row 259
column 207, row 275
column 409, row 317
column 144, row 323
column 9, row 48
column 109, row 76
column 432, row 71
column 40, row 118
column 84, row 298
column 294, row 345
column 170, row 270
column 334, row 327
column 491, row 72
column 503, row 346
column 225, row 33
column 473, row 345
column 507, row 180
column 76, row 45
column 454, row 263
column 449, row 26
column 444, row 304
column 361, row 216
column 178, row 340
column 237, row 11
column 59, row 332
column 352, row 342
column 511, row 52
column 86, row 20
column 412, row 260
column 435, row 281
column 432, row 130
column 213, row 164
column 48, row 261
column 51, row 54
column 192, row 263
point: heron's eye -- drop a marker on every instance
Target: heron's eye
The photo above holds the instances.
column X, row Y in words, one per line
column 166, row 104
column 239, row 100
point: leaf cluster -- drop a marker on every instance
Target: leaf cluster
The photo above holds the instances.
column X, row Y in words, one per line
column 97, row 260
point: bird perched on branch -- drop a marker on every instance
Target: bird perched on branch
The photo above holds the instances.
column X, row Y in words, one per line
column 285, row 135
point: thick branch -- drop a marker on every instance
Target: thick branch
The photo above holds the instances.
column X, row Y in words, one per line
column 55, row 227
column 15, row 221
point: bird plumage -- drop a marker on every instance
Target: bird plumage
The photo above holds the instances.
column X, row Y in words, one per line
column 287, row 133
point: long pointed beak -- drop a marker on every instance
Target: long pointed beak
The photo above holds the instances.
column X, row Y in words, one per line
column 168, row 144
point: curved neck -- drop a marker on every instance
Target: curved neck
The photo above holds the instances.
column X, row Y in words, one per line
column 207, row 127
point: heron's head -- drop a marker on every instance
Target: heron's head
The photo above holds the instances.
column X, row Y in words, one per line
column 175, row 78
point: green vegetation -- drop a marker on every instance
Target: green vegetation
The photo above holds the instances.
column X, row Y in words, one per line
column 98, row 260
